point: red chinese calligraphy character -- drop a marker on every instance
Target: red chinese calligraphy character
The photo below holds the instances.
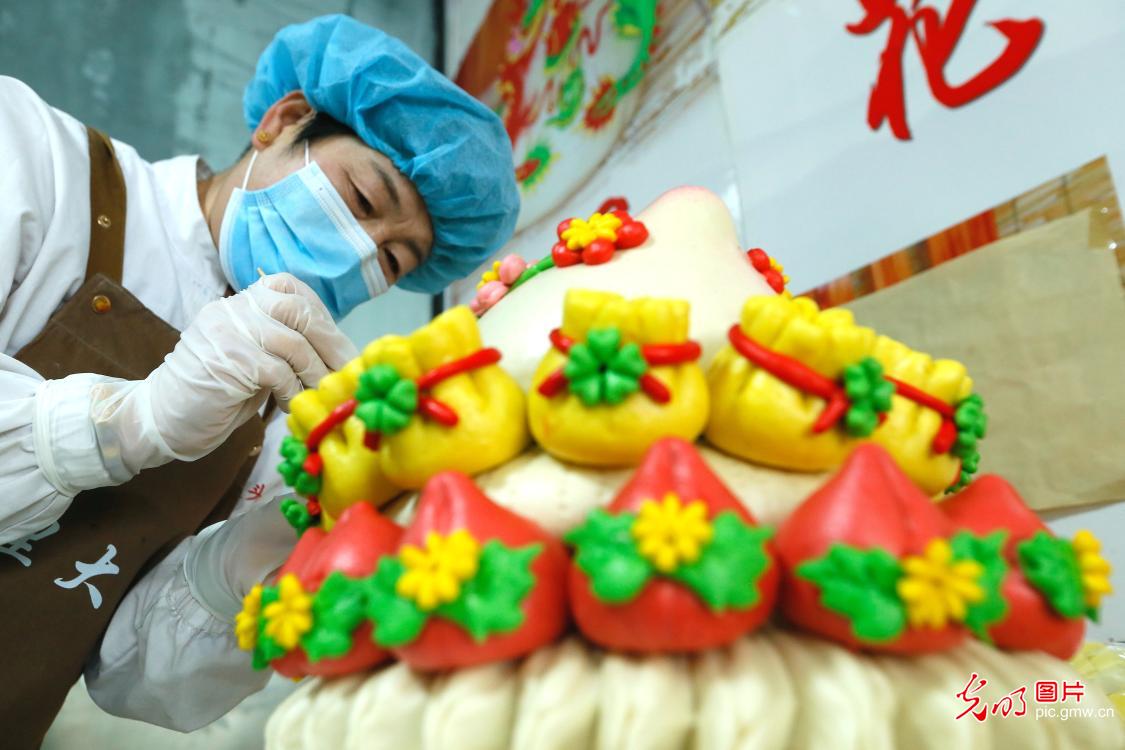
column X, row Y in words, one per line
column 1072, row 690
column 936, row 38
column 1047, row 691
column 255, row 492
column 967, row 696
column 1007, row 703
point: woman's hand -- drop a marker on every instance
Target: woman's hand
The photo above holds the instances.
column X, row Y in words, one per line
column 275, row 337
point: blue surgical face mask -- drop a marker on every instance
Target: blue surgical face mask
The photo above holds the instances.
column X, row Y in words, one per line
column 300, row 225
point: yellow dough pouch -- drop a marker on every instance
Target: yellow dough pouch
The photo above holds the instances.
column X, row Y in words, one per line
column 776, row 393
column 347, row 470
column 799, row 388
column 936, row 420
column 406, row 409
column 439, row 401
column 620, row 374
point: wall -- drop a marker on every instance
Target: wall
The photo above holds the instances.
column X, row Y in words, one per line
column 167, row 78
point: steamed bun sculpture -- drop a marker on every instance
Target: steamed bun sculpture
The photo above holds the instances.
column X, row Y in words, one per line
column 651, row 500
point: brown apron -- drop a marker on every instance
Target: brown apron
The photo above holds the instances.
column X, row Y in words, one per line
column 60, row 586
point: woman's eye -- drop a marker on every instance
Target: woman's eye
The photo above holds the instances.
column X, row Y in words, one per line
column 392, row 261
column 364, row 204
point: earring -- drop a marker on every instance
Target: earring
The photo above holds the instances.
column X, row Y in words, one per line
column 264, row 137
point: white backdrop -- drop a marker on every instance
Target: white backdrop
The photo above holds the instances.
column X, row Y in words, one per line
column 826, row 194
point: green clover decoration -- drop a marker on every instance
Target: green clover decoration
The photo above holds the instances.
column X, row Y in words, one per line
column 870, row 395
column 601, row 370
column 387, row 400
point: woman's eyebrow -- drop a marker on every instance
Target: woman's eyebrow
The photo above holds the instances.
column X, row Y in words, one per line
column 388, row 183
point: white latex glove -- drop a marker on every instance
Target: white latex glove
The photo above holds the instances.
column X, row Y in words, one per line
column 226, row 559
column 275, row 337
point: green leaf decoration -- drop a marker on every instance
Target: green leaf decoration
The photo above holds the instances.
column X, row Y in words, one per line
column 492, row 601
column 989, row 552
column 861, row 586
column 870, row 395
column 387, row 400
column 1051, row 566
column 606, row 552
column 291, row 469
column 339, row 606
column 398, row 621
column 601, row 370
column 297, row 515
column 266, row 649
column 726, row 574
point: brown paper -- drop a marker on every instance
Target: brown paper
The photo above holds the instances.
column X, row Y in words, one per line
column 1039, row 321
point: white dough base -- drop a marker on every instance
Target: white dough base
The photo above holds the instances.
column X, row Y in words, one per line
column 770, row 690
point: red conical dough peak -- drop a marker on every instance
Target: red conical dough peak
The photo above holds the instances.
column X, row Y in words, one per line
column 667, row 616
column 869, row 504
column 991, row 503
column 360, row 537
column 674, row 465
column 451, row 501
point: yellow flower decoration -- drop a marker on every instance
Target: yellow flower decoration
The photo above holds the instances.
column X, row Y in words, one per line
column 581, row 233
column 246, row 621
column 936, row 589
column 1094, row 568
column 290, row 616
column 434, row 575
column 493, row 275
column 670, row 534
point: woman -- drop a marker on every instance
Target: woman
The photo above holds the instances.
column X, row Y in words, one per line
column 121, row 438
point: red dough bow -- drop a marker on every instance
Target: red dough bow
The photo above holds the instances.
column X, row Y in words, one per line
column 674, row 564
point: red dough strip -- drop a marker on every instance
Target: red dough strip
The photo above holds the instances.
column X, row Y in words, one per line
column 478, row 359
column 336, row 418
column 797, row 374
column 430, row 407
column 947, row 433
column 671, row 354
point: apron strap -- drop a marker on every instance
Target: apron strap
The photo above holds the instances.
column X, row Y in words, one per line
column 107, row 209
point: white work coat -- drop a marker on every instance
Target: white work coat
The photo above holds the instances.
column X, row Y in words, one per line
column 165, row 658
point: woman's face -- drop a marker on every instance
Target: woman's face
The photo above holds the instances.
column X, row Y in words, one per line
column 385, row 203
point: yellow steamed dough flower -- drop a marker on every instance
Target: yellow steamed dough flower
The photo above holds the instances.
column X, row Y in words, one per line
column 581, row 232
column 1094, row 568
column 936, row 589
column 434, row 575
column 246, row 622
column 493, row 275
column 290, row 616
column 670, row 534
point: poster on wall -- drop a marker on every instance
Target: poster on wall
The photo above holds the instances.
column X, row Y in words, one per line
column 565, row 77
column 862, row 126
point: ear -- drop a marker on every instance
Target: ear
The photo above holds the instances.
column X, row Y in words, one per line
column 288, row 110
